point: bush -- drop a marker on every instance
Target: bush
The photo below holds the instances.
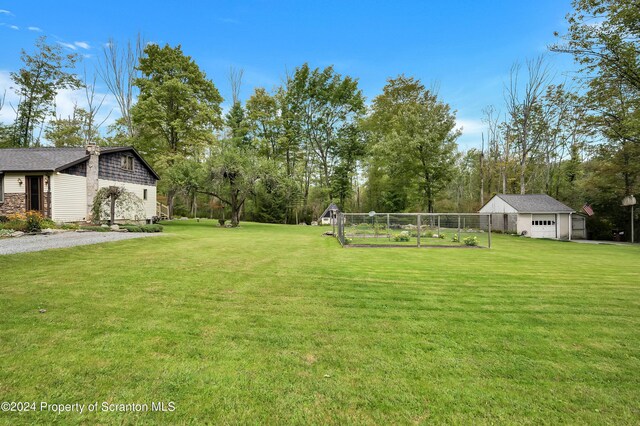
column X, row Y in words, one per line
column 4, row 219
column 152, row 228
column 16, row 225
column 48, row 223
column 68, row 226
column 470, row 241
column 17, row 216
column 34, row 221
column 142, row 228
column 402, row 237
column 455, row 238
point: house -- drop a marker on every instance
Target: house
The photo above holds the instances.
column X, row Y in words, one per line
column 329, row 216
column 533, row 215
column 61, row 183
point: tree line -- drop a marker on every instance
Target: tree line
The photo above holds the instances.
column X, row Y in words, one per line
column 284, row 153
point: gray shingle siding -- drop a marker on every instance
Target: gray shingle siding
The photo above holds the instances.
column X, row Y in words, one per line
column 77, row 170
column 111, row 169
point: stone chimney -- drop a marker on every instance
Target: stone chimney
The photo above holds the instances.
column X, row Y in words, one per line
column 92, row 177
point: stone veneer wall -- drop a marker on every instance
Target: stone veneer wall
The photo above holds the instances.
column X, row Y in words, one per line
column 13, row 203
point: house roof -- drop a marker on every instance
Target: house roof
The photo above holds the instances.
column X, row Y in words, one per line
column 53, row 159
column 332, row 206
column 39, row 159
column 535, row 203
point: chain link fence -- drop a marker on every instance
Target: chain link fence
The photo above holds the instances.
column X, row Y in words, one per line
column 413, row 229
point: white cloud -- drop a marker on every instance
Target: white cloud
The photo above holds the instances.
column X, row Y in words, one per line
column 14, row 27
column 5, row 12
column 228, row 20
column 471, row 133
column 36, row 29
column 82, row 44
column 470, row 126
column 67, row 99
column 67, row 45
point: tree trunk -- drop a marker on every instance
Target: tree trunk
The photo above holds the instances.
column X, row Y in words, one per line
column 236, row 207
column 522, row 182
column 112, row 215
column 171, row 193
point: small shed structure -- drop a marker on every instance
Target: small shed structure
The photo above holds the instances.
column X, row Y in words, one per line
column 533, row 215
column 330, row 215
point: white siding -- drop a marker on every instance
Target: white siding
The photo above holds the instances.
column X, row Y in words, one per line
column 524, row 223
column 563, row 226
column 149, row 203
column 68, row 198
column 11, row 185
column 497, row 205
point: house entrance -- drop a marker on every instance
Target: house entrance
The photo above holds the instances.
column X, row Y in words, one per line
column 34, row 193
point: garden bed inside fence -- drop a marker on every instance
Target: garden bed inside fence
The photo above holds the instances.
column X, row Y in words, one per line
column 452, row 230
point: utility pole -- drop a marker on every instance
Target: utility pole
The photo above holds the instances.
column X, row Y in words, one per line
column 630, row 200
column 482, row 173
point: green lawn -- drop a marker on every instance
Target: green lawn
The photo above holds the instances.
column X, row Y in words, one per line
column 275, row 324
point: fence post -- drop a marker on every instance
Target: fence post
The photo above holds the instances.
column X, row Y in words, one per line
column 489, row 231
column 438, row 226
column 334, row 218
column 375, row 229
column 459, row 230
column 388, row 228
column 419, row 222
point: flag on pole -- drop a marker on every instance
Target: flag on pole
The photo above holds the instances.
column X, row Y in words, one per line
column 587, row 209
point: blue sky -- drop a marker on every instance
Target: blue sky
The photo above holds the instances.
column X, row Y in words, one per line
column 466, row 48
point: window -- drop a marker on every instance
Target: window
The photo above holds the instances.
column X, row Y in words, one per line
column 144, row 194
column 126, row 162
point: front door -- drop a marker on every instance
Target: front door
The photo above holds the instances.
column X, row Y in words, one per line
column 34, row 193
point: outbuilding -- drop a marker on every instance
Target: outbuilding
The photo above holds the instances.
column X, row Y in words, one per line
column 532, row 215
column 328, row 217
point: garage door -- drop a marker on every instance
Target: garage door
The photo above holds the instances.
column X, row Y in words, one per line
column 543, row 226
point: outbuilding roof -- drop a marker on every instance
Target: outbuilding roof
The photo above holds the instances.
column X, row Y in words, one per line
column 535, row 203
column 53, row 159
column 327, row 211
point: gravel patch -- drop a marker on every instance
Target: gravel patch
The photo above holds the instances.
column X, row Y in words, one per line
column 29, row 243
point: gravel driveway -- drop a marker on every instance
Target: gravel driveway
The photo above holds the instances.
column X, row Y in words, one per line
column 64, row 239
